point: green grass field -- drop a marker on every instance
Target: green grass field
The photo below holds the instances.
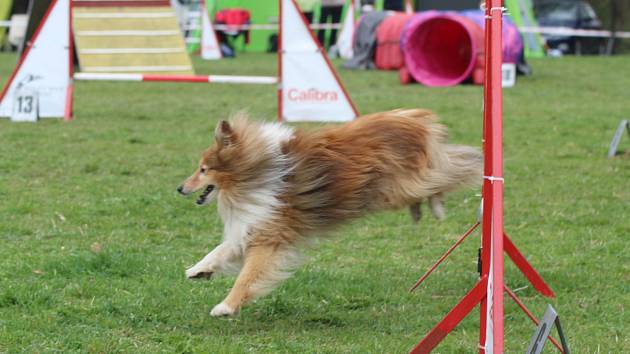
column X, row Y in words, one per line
column 94, row 240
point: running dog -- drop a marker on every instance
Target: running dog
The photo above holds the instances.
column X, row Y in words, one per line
column 278, row 187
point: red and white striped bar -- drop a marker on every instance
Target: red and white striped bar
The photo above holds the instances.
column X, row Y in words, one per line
column 218, row 79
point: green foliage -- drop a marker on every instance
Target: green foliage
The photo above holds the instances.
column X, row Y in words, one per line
column 94, row 240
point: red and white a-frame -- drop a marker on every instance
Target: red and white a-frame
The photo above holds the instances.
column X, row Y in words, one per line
column 489, row 290
column 210, row 49
column 45, row 66
column 309, row 89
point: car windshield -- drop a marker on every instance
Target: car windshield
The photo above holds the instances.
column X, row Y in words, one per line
column 558, row 12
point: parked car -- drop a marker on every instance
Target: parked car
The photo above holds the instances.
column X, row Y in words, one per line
column 575, row 14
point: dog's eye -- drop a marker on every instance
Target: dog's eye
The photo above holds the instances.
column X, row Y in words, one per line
column 203, row 169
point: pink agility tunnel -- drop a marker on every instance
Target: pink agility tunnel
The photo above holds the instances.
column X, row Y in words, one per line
column 388, row 54
column 443, row 49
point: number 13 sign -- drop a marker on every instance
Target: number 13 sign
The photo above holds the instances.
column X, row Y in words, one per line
column 25, row 106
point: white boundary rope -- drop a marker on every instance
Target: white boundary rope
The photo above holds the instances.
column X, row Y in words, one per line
column 566, row 31
column 561, row 31
column 270, row 27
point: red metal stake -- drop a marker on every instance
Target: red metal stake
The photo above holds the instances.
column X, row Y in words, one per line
column 446, row 254
column 528, row 271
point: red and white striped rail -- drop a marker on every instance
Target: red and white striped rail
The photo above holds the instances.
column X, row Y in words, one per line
column 218, row 79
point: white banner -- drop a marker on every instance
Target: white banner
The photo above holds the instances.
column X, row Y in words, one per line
column 310, row 88
column 345, row 41
column 210, row 49
column 45, row 66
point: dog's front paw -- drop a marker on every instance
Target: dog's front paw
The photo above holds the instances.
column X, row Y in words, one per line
column 197, row 273
column 222, row 310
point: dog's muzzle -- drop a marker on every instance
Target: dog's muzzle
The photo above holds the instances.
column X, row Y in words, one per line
column 202, row 198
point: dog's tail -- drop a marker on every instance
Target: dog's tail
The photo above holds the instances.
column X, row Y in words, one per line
column 451, row 167
column 457, row 166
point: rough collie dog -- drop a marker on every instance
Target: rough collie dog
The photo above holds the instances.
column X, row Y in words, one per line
column 278, row 187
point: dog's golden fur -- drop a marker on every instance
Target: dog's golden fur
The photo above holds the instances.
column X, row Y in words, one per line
column 278, row 187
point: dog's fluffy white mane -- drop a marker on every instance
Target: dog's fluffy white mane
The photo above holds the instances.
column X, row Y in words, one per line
column 257, row 200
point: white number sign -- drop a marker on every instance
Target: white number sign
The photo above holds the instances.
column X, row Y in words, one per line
column 25, row 106
column 508, row 74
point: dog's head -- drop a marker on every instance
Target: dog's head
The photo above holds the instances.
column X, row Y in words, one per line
column 215, row 167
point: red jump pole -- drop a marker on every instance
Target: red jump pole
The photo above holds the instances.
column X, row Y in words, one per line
column 69, row 106
column 490, row 289
column 492, row 220
column 496, row 281
column 487, row 171
column 226, row 79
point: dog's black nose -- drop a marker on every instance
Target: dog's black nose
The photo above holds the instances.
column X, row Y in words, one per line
column 180, row 189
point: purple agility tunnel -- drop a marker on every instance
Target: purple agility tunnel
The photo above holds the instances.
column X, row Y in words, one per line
column 443, row 49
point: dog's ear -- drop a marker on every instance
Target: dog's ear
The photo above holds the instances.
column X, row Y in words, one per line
column 224, row 134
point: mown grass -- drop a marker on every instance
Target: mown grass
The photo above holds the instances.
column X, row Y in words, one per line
column 94, row 239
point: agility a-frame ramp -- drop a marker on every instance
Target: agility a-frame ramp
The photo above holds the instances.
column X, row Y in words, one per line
column 308, row 84
column 489, row 290
column 308, row 87
column 45, row 66
column 209, row 48
column 345, row 41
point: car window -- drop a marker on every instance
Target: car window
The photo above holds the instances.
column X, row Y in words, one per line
column 558, row 12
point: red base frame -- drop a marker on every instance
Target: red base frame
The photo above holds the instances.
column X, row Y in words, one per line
column 478, row 294
column 452, row 319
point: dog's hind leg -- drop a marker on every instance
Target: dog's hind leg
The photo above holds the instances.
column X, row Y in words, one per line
column 415, row 212
column 437, row 206
column 263, row 268
column 217, row 261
